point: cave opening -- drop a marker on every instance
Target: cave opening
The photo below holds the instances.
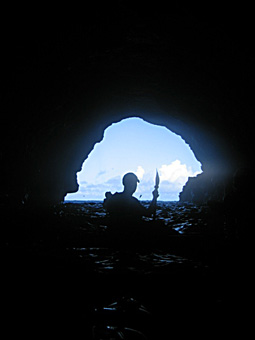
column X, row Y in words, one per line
column 136, row 145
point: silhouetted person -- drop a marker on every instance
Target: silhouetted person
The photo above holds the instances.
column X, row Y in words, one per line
column 125, row 208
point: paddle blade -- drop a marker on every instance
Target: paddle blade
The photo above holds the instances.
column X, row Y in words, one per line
column 157, row 179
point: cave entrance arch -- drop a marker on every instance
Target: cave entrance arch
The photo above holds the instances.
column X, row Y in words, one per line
column 134, row 144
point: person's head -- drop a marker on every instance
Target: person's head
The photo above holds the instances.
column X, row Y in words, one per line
column 130, row 181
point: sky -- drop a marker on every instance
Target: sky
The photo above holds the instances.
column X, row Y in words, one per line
column 134, row 145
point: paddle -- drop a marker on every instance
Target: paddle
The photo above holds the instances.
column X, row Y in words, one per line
column 156, row 188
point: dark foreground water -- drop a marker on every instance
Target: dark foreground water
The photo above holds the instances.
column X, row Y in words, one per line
column 65, row 273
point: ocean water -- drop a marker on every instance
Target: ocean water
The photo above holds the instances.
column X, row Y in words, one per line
column 174, row 238
column 67, row 266
column 183, row 218
column 173, row 275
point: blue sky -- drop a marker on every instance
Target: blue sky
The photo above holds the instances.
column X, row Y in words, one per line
column 140, row 147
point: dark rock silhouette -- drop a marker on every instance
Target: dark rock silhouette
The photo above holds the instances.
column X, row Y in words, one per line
column 188, row 68
column 64, row 86
column 238, row 205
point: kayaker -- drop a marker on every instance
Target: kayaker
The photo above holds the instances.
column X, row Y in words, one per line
column 122, row 205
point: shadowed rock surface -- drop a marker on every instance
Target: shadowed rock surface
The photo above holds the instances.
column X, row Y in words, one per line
column 189, row 68
column 65, row 79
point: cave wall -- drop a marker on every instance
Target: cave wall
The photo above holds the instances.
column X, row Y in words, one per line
column 189, row 69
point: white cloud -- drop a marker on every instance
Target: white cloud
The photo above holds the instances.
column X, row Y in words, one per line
column 173, row 177
column 176, row 172
column 140, row 172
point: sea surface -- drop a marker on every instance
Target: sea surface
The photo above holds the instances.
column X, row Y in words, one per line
column 180, row 217
column 170, row 236
column 68, row 263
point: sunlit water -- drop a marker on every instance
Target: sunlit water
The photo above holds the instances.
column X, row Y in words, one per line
column 91, row 249
column 179, row 217
column 68, row 260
